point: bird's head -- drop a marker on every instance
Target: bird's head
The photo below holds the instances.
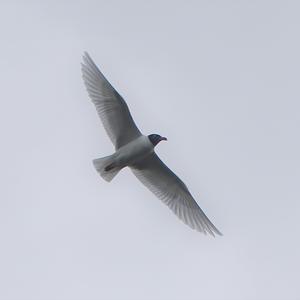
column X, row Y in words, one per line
column 156, row 138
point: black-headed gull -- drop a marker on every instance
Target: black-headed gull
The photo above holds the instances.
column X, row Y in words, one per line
column 136, row 151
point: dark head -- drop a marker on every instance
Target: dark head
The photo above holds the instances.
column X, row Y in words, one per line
column 156, row 138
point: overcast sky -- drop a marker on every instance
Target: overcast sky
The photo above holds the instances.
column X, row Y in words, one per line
column 220, row 79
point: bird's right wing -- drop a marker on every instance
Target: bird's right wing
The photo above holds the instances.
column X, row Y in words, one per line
column 160, row 180
column 111, row 107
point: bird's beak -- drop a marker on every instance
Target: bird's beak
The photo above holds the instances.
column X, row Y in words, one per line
column 163, row 138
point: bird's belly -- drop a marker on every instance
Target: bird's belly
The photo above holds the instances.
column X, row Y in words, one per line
column 133, row 151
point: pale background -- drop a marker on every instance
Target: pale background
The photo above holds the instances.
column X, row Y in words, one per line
column 220, row 79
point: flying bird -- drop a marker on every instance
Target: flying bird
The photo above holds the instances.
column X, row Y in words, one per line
column 136, row 151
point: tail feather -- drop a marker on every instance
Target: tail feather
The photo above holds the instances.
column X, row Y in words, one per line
column 104, row 167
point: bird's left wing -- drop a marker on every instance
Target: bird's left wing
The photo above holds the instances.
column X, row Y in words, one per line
column 111, row 107
column 160, row 180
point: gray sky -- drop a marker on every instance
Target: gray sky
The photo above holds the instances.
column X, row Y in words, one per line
column 220, row 79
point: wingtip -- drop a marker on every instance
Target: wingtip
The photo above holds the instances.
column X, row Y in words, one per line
column 219, row 233
column 86, row 58
column 215, row 234
column 85, row 54
column 210, row 230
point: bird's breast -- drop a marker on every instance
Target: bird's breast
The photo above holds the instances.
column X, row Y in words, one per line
column 134, row 151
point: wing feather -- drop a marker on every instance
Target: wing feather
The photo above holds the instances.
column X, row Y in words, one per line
column 111, row 107
column 160, row 180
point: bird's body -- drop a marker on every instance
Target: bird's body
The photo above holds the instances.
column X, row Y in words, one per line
column 125, row 156
column 133, row 152
column 136, row 151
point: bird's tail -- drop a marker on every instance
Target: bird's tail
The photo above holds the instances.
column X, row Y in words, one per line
column 105, row 167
